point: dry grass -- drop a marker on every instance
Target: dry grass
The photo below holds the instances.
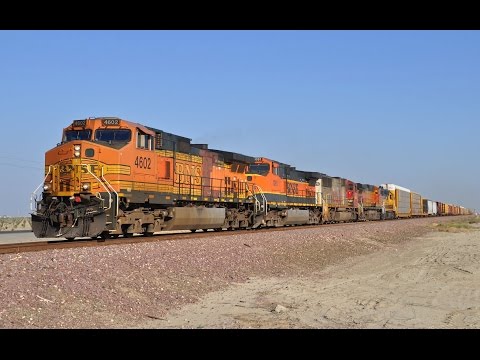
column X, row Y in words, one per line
column 15, row 223
column 462, row 225
column 474, row 220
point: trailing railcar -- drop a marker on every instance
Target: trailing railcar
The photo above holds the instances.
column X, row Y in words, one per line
column 416, row 204
column 399, row 201
column 429, row 207
column 440, row 208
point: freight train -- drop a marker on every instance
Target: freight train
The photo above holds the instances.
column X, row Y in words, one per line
column 109, row 177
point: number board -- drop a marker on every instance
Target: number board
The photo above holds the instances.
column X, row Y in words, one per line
column 107, row 122
column 79, row 123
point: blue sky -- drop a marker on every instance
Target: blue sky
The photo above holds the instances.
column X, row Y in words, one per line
column 372, row 106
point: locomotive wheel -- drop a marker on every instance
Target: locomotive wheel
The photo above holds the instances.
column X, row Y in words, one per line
column 103, row 236
column 217, row 229
column 193, row 230
column 148, row 233
column 70, row 238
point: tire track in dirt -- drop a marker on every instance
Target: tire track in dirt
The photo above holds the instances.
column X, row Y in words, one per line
column 431, row 282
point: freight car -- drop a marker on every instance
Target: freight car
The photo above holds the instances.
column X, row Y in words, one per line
column 399, row 201
column 429, row 207
column 109, row 177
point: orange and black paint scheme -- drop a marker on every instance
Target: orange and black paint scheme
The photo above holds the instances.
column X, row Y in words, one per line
column 111, row 177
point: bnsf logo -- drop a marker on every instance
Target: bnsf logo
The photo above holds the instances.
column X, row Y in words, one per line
column 188, row 174
column 292, row 189
column 65, row 169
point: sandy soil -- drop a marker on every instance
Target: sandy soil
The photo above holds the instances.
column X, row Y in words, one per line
column 430, row 282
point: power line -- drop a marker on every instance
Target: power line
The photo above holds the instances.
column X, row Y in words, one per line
column 20, row 166
column 13, row 158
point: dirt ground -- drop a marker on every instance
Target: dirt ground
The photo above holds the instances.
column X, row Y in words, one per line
column 430, row 282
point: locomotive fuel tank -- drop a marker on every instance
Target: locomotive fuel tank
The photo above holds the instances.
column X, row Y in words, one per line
column 193, row 218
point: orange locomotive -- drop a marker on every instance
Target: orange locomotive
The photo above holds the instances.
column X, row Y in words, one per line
column 369, row 201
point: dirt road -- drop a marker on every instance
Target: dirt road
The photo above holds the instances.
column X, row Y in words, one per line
column 431, row 282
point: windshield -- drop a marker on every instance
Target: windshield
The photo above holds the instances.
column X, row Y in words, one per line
column 113, row 135
column 260, row 169
column 77, row 135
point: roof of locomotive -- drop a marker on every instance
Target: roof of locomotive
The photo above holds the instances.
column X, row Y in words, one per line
column 229, row 156
column 107, row 121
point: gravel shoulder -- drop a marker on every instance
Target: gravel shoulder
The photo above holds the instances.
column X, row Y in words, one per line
column 379, row 274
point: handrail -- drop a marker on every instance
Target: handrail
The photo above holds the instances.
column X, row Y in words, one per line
column 111, row 188
column 95, row 176
column 33, row 197
column 265, row 202
column 257, row 202
column 257, row 189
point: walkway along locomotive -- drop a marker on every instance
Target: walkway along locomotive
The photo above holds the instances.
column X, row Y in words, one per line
column 111, row 177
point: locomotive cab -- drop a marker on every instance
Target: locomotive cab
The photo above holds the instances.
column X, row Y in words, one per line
column 79, row 197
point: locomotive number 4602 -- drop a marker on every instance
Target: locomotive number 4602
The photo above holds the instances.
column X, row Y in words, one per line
column 143, row 162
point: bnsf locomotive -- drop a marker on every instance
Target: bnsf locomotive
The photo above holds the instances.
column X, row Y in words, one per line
column 111, row 177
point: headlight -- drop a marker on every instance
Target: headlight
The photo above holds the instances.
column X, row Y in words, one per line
column 86, row 186
column 76, row 149
column 46, row 187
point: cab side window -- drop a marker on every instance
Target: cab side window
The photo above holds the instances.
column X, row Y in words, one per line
column 144, row 141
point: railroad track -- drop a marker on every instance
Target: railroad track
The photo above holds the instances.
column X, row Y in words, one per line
column 66, row 244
